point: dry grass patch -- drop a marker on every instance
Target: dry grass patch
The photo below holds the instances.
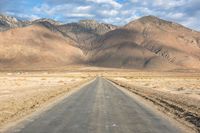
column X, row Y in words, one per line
column 177, row 94
column 23, row 94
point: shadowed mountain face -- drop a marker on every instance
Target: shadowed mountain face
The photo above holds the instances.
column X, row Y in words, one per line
column 85, row 32
column 146, row 43
column 169, row 42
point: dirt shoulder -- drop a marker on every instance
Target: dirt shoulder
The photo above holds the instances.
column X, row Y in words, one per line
column 184, row 109
column 20, row 101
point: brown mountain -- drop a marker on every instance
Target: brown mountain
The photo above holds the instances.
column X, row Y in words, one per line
column 36, row 46
column 171, row 41
column 161, row 45
column 146, row 43
column 85, row 32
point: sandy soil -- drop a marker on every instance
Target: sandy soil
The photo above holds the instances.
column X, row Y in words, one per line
column 188, row 86
column 23, row 93
column 178, row 94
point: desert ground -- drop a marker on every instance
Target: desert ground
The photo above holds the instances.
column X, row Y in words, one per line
column 187, row 84
column 23, row 92
column 175, row 93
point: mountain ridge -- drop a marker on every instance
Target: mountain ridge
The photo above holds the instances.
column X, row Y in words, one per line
column 145, row 43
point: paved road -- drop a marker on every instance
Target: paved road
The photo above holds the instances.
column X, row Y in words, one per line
column 99, row 107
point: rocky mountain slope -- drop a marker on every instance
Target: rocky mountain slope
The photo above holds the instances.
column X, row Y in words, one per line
column 85, row 32
column 7, row 22
column 171, row 41
column 166, row 41
column 145, row 43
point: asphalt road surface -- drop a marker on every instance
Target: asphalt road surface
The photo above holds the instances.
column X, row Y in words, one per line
column 99, row 107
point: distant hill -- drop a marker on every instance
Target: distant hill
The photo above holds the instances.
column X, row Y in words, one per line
column 36, row 47
column 169, row 43
column 147, row 43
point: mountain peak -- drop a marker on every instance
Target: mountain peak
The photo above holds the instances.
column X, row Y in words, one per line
column 8, row 18
column 51, row 21
column 7, row 22
column 94, row 26
column 152, row 19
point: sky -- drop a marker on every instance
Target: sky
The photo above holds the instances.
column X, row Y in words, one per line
column 117, row 12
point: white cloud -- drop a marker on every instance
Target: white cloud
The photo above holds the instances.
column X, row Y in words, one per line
column 83, row 8
column 76, row 15
column 169, row 3
column 44, row 8
column 67, row 10
column 185, row 12
column 109, row 13
column 178, row 15
column 111, row 2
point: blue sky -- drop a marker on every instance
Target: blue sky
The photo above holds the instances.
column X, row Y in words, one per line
column 118, row 12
